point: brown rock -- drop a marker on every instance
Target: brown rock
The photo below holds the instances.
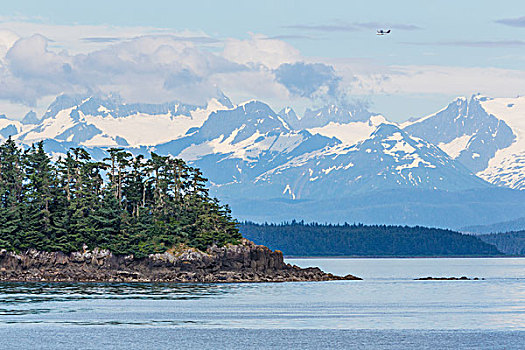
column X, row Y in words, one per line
column 245, row 262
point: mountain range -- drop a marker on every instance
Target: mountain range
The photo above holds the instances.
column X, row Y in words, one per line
column 463, row 165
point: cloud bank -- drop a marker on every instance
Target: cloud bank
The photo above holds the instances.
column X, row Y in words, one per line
column 194, row 67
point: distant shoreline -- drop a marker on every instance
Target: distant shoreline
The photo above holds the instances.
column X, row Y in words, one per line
column 368, row 241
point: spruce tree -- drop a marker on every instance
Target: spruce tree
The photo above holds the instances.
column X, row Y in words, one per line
column 145, row 207
column 37, row 197
column 11, row 194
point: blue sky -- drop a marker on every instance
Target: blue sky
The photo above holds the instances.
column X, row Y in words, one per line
column 436, row 51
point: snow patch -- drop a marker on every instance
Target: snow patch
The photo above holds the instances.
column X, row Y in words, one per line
column 288, row 190
column 138, row 129
column 507, row 167
column 350, row 133
column 454, row 147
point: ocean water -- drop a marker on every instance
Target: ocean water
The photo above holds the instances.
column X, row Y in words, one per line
column 387, row 310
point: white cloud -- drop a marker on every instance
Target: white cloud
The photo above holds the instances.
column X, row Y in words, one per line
column 437, row 80
column 150, row 68
column 7, row 40
column 145, row 69
column 30, row 57
column 145, row 64
column 252, row 84
column 260, row 49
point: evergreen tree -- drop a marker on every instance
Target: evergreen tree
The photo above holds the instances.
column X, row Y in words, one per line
column 11, row 195
column 106, row 220
column 37, row 197
column 145, row 207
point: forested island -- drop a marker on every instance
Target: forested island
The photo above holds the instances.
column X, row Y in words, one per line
column 313, row 239
column 125, row 218
column 131, row 218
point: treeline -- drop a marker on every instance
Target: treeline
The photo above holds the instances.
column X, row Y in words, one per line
column 512, row 243
column 300, row 239
column 124, row 203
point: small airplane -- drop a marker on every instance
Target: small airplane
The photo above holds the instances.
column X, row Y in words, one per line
column 382, row 32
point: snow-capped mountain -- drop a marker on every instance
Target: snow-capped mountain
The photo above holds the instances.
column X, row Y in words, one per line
column 252, row 149
column 10, row 127
column 260, row 161
column 234, row 146
column 30, row 118
column 327, row 151
column 507, row 167
column 388, row 159
column 315, row 118
column 100, row 122
column 485, row 134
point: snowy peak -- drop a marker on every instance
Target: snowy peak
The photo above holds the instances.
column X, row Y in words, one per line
column 507, row 166
column 9, row 128
column 248, row 132
column 402, row 153
column 466, row 131
column 62, row 102
column 389, row 158
column 30, row 118
column 316, row 118
column 446, row 124
column 387, row 130
column 107, row 121
column 114, row 106
column 245, row 120
column 342, row 150
column 486, row 135
column 290, row 117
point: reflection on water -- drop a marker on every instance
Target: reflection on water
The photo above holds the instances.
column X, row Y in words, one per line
column 40, row 291
column 20, row 298
column 387, row 298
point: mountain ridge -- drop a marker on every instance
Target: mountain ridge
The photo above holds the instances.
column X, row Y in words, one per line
column 250, row 151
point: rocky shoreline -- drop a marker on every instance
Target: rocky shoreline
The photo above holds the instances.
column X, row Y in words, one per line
column 245, row 262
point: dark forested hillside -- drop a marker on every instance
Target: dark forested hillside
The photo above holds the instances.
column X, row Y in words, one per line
column 302, row 239
column 512, row 243
column 126, row 204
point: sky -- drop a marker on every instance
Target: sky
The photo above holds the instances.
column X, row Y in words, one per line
column 303, row 54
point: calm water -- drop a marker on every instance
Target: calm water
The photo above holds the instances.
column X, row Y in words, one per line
column 388, row 310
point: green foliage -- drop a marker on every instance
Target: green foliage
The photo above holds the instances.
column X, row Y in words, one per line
column 300, row 239
column 146, row 206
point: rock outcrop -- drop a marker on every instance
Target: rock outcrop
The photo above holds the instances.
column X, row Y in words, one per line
column 462, row 278
column 246, row 262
